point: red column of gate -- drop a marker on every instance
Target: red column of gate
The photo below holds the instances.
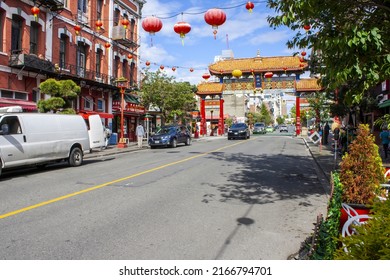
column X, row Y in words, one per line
column 203, row 130
column 221, row 125
column 298, row 114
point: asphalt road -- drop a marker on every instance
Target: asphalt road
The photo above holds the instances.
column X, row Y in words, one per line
column 216, row 199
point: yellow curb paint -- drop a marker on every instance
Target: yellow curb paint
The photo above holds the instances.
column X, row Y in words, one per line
column 28, row 208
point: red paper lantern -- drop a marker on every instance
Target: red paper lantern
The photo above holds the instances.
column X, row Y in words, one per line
column 147, row 63
column 215, row 17
column 35, row 12
column 107, row 45
column 301, row 59
column 301, row 65
column 99, row 24
column 129, row 56
column 285, row 69
column 162, row 67
column 173, row 68
column 206, row 76
column 191, row 69
column 303, row 53
column 249, row 6
column 125, row 23
column 268, row 75
column 306, row 27
column 77, row 29
column 152, row 25
column 182, row 28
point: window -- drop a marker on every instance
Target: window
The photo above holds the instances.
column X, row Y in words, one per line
column 13, row 94
column 99, row 9
column 100, row 105
column 34, row 31
column 82, row 6
column 117, row 14
column 125, row 66
column 99, row 54
column 132, row 29
column 13, row 125
column 116, row 67
column 63, row 47
column 81, row 59
column 2, row 20
column 88, row 103
column 132, row 68
column 16, row 34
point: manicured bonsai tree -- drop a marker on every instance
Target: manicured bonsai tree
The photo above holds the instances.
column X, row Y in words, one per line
column 361, row 169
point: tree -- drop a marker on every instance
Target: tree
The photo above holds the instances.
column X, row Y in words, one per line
column 62, row 93
column 173, row 99
column 265, row 114
column 319, row 103
column 349, row 37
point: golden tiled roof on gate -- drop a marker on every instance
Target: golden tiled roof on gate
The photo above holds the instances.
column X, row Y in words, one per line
column 258, row 64
column 210, row 88
column 308, row 85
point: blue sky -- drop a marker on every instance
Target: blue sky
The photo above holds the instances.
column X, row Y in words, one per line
column 244, row 33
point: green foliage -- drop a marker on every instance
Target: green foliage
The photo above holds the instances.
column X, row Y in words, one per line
column 350, row 40
column 327, row 239
column 173, row 99
column 319, row 103
column 361, row 169
column 372, row 241
column 265, row 115
column 61, row 92
column 280, row 120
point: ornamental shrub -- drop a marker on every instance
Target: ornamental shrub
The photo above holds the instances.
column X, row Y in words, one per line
column 361, row 169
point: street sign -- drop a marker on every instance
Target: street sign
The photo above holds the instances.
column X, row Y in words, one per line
column 315, row 137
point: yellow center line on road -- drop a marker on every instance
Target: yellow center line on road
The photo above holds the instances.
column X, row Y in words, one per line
column 31, row 207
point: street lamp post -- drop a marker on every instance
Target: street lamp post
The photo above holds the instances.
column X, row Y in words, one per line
column 121, row 83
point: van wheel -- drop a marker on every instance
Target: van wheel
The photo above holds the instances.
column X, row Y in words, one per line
column 174, row 143
column 75, row 157
column 188, row 141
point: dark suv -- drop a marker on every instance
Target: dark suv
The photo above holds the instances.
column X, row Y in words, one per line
column 170, row 136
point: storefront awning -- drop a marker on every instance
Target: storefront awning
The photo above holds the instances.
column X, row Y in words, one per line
column 86, row 114
column 26, row 105
column 384, row 104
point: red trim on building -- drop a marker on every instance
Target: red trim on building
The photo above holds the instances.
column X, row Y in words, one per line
column 26, row 105
column 103, row 115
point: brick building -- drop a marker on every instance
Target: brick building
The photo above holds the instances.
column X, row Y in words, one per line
column 92, row 42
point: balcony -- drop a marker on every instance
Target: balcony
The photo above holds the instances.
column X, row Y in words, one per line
column 119, row 36
column 85, row 75
column 53, row 5
column 30, row 62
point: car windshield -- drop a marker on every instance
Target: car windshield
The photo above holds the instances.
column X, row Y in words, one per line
column 239, row 125
column 259, row 124
column 166, row 129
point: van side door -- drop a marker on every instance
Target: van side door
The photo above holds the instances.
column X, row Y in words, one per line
column 13, row 143
column 96, row 132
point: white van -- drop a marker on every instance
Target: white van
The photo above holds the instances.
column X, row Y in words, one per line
column 38, row 139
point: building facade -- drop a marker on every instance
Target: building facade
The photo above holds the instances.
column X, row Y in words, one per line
column 92, row 42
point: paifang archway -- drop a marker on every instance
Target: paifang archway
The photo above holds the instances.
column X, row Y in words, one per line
column 264, row 79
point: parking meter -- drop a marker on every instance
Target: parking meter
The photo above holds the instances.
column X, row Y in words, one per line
column 336, row 133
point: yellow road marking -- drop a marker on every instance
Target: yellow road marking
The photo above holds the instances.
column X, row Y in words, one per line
column 21, row 210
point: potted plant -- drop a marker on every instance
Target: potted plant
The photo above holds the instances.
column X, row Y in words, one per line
column 361, row 172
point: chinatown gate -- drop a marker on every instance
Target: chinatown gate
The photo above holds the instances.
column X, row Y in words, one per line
column 239, row 86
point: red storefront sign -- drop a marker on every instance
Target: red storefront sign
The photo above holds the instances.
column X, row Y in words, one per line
column 129, row 107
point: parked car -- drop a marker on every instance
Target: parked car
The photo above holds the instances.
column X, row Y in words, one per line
column 239, row 130
column 170, row 136
column 269, row 128
column 259, row 128
column 283, row 128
